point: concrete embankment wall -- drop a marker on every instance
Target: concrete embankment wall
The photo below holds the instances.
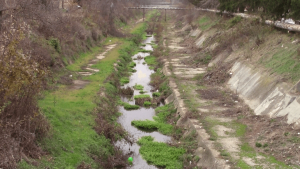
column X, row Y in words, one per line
column 208, row 155
column 263, row 93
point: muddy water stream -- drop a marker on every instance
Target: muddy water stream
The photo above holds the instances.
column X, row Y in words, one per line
column 141, row 77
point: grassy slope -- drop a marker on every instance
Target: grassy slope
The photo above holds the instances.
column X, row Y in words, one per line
column 69, row 113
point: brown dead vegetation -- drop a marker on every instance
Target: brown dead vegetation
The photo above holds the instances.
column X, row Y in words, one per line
column 224, row 98
column 128, row 91
column 35, row 36
column 107, row 108
column 218, row 75
column 140, row 101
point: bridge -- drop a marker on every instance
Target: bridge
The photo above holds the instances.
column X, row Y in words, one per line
column 160, row 5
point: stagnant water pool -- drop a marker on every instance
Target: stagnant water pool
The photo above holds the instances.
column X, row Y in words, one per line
column 141, row 77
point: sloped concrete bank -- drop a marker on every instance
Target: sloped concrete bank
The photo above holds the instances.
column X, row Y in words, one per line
column 265, row 94
column 208, row 155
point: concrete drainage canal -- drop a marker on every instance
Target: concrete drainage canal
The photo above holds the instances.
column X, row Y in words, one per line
column 142, row 78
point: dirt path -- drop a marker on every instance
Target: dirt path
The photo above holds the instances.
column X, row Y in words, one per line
column 89, row 69
column 79, row 84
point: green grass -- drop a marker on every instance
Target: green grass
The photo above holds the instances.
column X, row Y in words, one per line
column 73, row 139
column 206, row 23
column 142, row 96
column 70, row 115
column 233, row 21
column 151, row 60
column 156, row 94
column 145, row 124
column 206, row 59
column 138, row 87
column 84, row 59
column 142, row 92
column 285, row 62
column 128, row 106
column 145, row 51
column 160, row 121
column 124, row 80
column 132, row 64
column 147, row 103
column 160, row 154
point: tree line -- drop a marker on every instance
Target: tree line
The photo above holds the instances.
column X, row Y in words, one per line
column 275, row 9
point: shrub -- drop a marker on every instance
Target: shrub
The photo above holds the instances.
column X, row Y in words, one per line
column 54, row 42
column 224, row 153
column 257, row 144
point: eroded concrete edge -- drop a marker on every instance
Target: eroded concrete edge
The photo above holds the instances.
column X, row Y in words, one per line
column 209, row 156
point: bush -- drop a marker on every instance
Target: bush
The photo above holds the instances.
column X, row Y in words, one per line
column 54, row 42
column 257, row 144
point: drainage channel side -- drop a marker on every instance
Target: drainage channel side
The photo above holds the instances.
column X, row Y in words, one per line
column 209, row 157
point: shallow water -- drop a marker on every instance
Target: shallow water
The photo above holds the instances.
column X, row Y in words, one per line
column 142, row 77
